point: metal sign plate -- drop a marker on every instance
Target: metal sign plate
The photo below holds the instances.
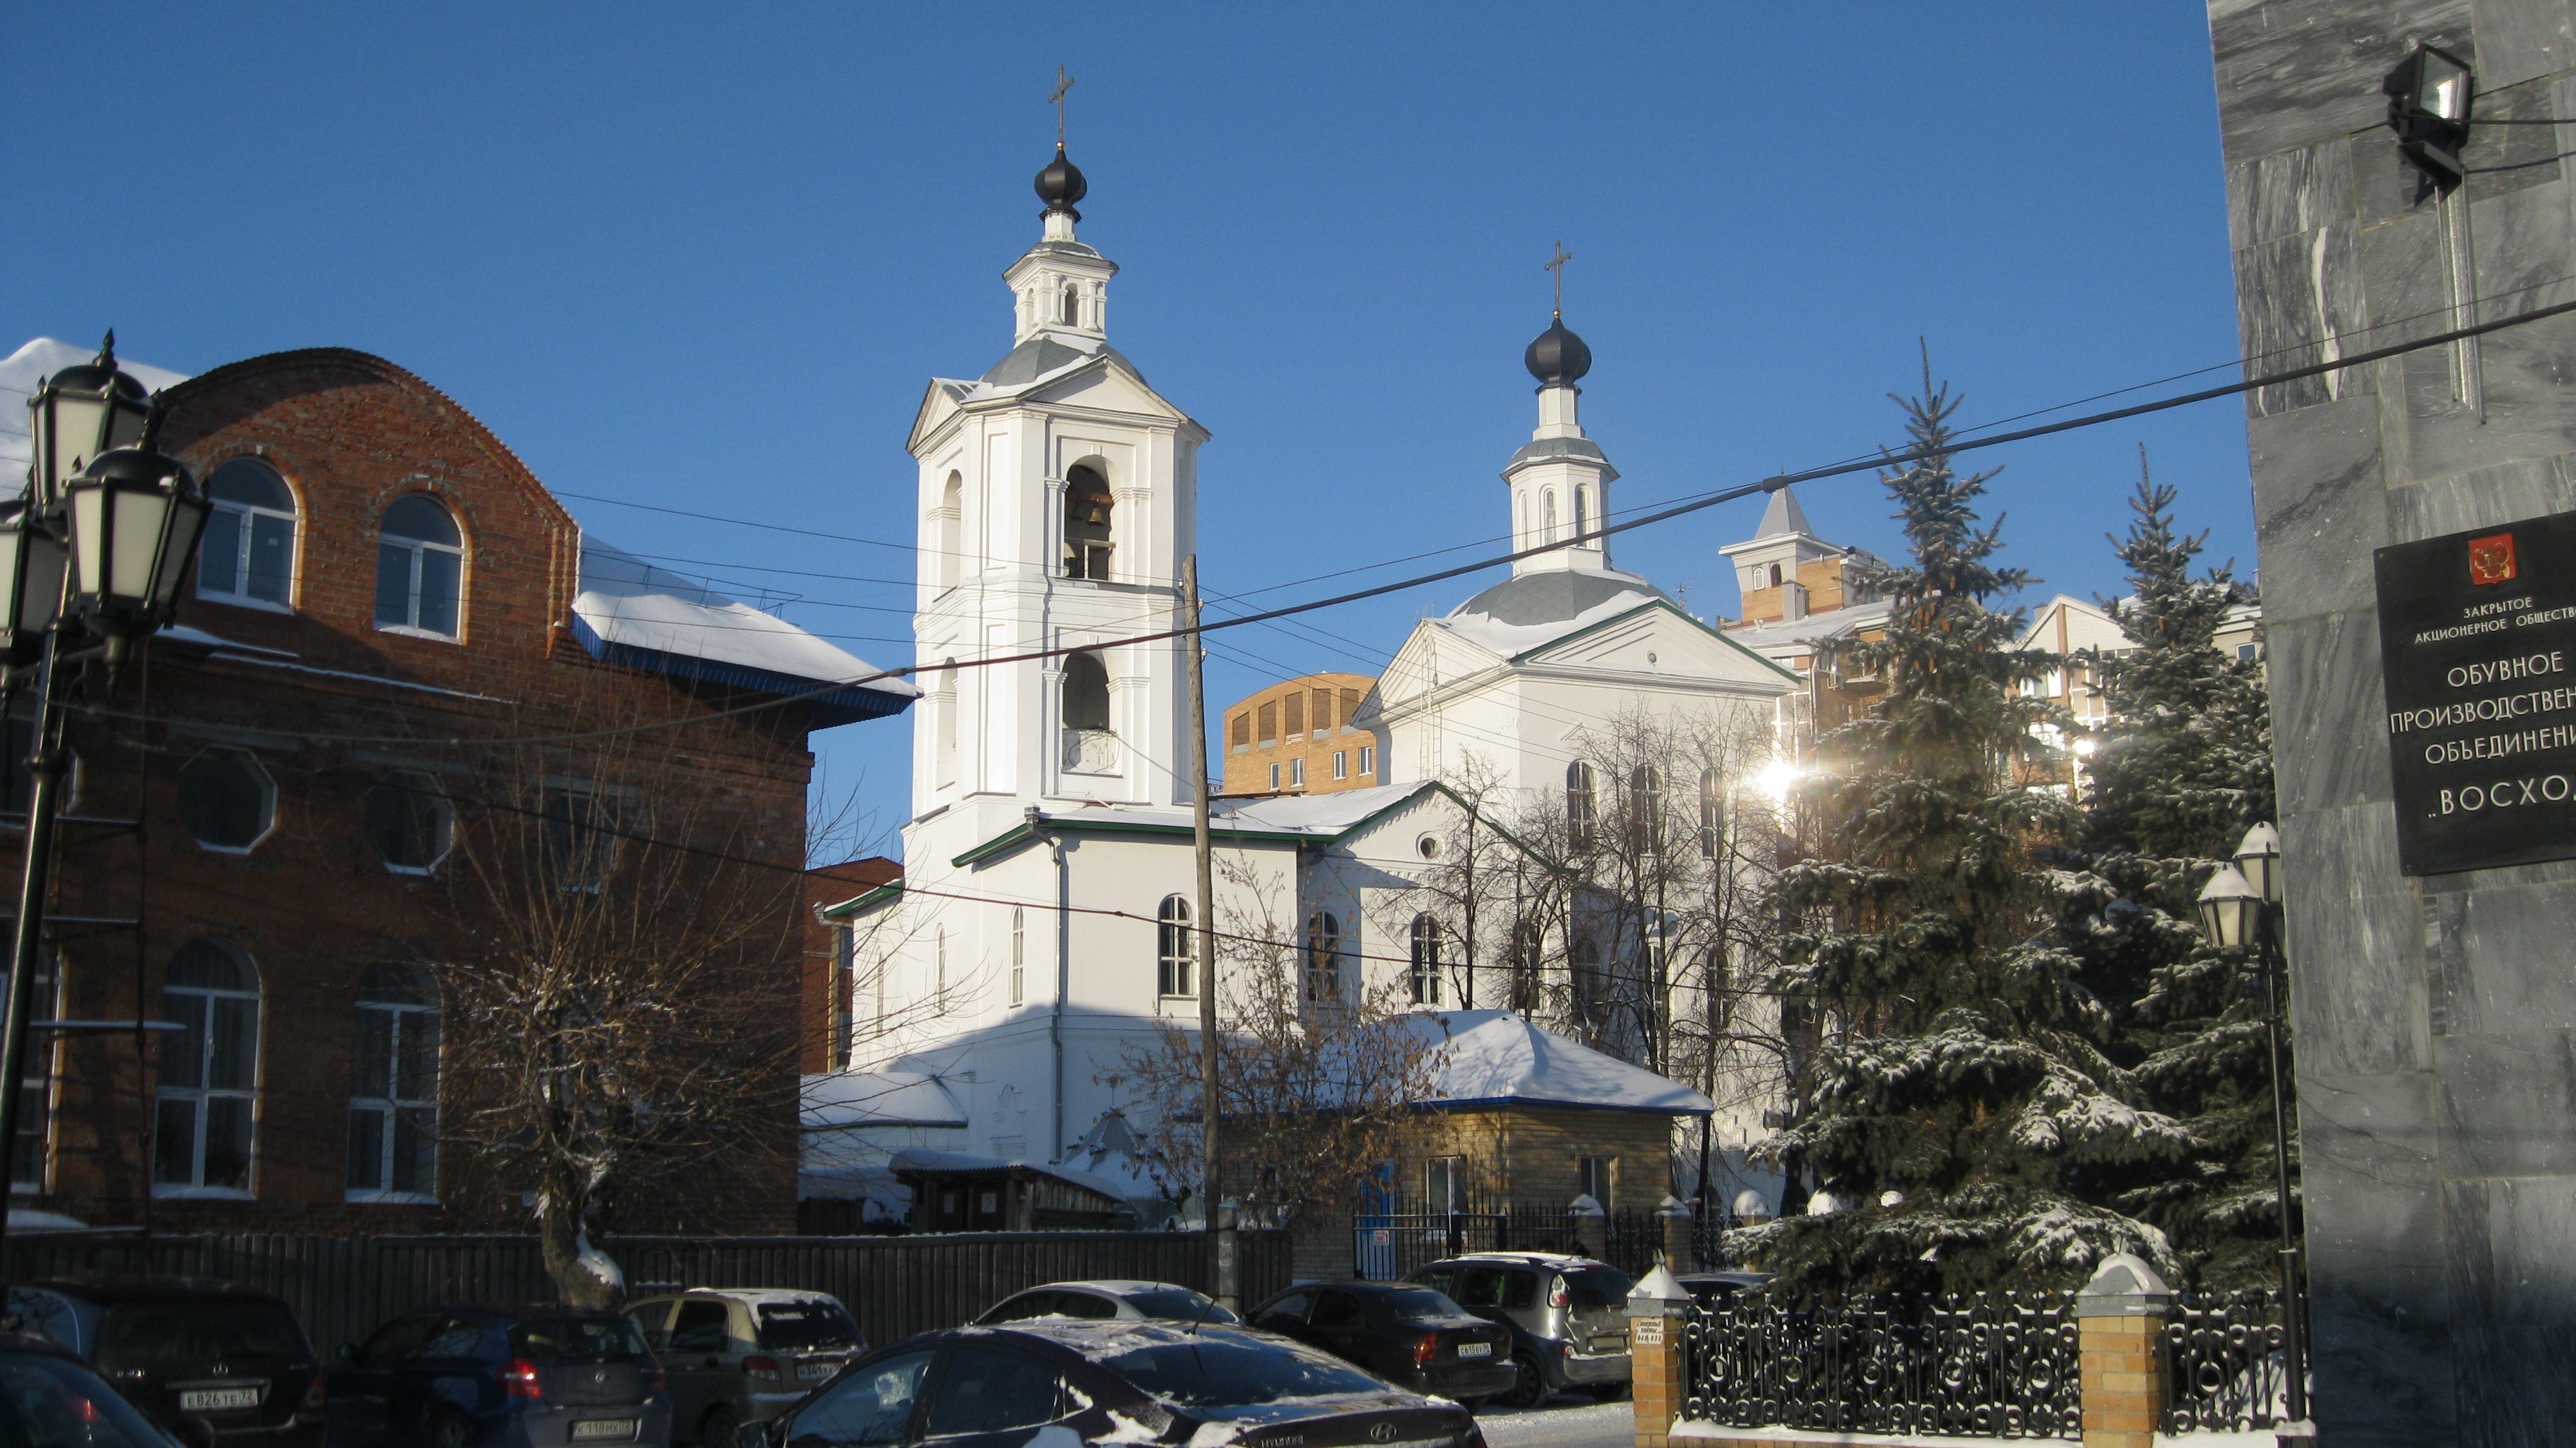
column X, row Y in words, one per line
column 2477, row 648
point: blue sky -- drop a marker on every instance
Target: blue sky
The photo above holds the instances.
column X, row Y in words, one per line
column 705, row 257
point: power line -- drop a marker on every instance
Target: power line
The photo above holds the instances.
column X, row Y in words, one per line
column 1885, row 459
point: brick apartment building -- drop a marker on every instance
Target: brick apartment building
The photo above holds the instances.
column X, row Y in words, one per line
column 1296, row 737
column 281, row 824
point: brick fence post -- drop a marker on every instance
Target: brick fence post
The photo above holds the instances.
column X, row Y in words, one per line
column 1676, row 1221
column 1659, row 1376
column 2120, row 1327
column 1591, row 1226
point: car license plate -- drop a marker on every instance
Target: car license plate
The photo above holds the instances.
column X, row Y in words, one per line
column 590, row 1429
column 1615, row 1342
column 217, row 1400
column 1475, row 1349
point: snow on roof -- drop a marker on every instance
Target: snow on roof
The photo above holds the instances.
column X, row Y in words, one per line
column 1495, row 1058
column 629, row 612
column 847, row 1100
column 1613, row 593
column 1832, row 623
column 21, row 370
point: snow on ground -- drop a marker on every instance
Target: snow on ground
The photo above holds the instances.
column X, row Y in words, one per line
column 1564, row 1423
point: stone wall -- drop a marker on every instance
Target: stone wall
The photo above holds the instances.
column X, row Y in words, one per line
column 2436, row 1016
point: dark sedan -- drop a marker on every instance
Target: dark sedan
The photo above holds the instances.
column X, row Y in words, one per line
column 1055, row 1381
column 49, row 1400
column 230, row 1355
column 500, row 1377
column 1405, row 1334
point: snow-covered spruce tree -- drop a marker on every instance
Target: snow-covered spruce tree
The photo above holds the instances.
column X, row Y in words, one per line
column 1962, row 1115
column 2184, row 765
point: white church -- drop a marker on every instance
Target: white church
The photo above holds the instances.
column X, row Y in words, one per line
column 1033, row 942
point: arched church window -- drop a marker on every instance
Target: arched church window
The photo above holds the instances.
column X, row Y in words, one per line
column 1582, row 510
column 1579, row 812
column 1323, row 958
column 1547, row 516
column 1172, row 946
column 1425, row 972
column 944, row 705
column 1087, row 538
column 1520, row 519
column 1775, row 575
column 945, row 567
column 1712, row 813
column 1086, row 692
column 1072, row 306
column 1646, row 809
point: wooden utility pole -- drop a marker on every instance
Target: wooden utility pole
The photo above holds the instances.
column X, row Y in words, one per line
column 1211, row 1197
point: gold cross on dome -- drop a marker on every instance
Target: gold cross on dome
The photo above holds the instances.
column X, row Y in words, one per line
column 1063, row 83
column 1556, row 264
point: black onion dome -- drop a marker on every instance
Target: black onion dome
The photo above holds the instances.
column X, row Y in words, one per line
column 1061, row 184
column 1558, row 356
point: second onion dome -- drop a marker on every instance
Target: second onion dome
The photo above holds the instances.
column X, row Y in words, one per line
column 1558, row 357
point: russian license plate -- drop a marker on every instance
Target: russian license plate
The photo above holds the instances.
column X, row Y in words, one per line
column 813, row 1372
column 217, row 1400
column 1475, row 1349
column 590, row 1429
column 1615, row 1342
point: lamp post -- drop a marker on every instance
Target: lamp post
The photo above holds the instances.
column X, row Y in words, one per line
column 93, row 552
column 2240, row 908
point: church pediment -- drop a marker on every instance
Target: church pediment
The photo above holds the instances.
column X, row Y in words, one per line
column 1657, row 638
column 1105, row 384
column 939, row 403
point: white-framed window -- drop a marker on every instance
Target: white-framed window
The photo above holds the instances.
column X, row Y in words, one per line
column 1368, row 759
column 1341, row 764
column 393, row 1088
column 1712, row 814
column 1296, row 774
column 1425, row 970
column 1592, row 1176
column 1444, row 1185
column 1646, row 808
column 204, row 1129
column 1274, row 776
column 1019, row 953
column 248, row 555
column 1172, row 947
column 1547, row 515
column 227, row 800
column 1579, row 805
column 939, row 970
column 420, row 569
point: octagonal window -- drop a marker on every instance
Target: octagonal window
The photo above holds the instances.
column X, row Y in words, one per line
column 226, row 799
column 409, row 822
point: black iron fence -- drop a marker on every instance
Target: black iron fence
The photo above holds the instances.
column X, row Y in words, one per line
column 1388, row 1244
column 2223, row 1361
column 342, row 1287
column 1986, row 1365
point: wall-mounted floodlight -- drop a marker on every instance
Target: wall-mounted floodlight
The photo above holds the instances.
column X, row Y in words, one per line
column 2428, row 108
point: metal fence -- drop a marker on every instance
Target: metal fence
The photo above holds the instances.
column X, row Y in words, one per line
column 342, row 1287
column 2223, row 1361
column 1986, row 1365
column 1388, row 1244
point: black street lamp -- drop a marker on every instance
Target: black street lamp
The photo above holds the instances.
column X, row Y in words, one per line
column 2240, row 909
column 94, row 550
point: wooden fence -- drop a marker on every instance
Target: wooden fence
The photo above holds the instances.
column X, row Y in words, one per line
column 343, row 1287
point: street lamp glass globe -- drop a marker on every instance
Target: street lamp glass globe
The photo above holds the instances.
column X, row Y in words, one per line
column 79, row 413
column 2258, row 858
column 31, row 580
column 135, row 519
column 2227, row 906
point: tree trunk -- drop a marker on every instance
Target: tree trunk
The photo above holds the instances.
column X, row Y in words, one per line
column 559, row 1242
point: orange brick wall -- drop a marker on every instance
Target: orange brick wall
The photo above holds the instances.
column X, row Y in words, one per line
column 1249, row 752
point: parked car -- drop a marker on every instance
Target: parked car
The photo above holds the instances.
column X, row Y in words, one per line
column 1127, row 1301
column 1569, row 1317
column 50, row 1399
column 1720, row 1289
column 1127, row 1382
column 170, row 1345
column 1411, row 1336
column 500, row 1377
column 738, row 1355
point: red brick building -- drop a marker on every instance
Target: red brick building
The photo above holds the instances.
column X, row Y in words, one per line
column 270, row 818
column 824, row 999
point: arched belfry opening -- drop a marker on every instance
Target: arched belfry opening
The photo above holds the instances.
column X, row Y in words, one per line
column 1088, row 536
column 1086, row 692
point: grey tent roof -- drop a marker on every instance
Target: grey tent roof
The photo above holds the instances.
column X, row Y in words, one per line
column 1561, row 447
column 1032, row 360
column 1781, row 515
column 1553, row 596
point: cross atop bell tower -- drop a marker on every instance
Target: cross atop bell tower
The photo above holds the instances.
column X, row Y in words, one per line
column 1060, row 285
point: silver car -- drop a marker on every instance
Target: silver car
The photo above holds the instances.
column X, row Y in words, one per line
column 1569, row 1317
column 1130, row 1301
column 739, row 1355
